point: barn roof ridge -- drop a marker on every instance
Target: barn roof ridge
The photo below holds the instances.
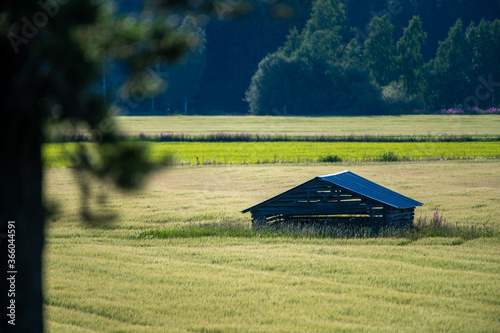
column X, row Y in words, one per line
column 357, row 184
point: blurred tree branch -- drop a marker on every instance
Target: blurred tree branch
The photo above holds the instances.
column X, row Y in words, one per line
column 53, row 55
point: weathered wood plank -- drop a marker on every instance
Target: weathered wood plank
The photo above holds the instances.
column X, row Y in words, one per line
column 313, row 193
column 294, row 198
column 321, row 205
column 400, row 215
column 305, row 211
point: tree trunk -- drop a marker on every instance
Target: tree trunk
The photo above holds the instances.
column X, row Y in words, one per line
column 21, row 202
column 20, row 195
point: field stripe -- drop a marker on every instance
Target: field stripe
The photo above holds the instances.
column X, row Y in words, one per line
column 188, row 153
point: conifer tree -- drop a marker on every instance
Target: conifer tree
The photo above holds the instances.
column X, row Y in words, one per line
column 325, row 32
column 447, row 80
column 314, row 73
column 328, row 15
column 484, row 42
column 292, row 44
column 379, row 50
column 409, row 59
column 53, row 57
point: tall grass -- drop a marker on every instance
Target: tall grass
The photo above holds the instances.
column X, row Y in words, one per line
column 227, row 277
column 227, row 229
column 437, row 226
column 389, row 156
column 270, row 137
column 423, row 228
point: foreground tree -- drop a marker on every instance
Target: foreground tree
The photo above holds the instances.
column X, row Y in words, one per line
column 53, row 54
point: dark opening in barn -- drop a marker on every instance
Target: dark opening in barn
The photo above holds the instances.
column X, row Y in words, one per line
column 342, row 197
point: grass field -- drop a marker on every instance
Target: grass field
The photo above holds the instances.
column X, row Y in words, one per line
column 466, row 192
column 107, row 280
column 295, row 152
column 105, row 284
column 287, row 152
column 120, row 277
column 380, row 125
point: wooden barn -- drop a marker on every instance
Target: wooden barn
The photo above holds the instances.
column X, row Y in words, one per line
column 341, row 197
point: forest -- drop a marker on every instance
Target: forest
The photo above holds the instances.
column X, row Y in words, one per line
column 327, row 57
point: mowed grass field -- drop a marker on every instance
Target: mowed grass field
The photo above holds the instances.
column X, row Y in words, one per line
column 109, row 278
column 295, row 126
column 55, row 155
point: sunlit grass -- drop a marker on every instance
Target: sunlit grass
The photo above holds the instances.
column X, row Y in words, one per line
column 375, row 125
column 201, row 153
column 466, row 192
column 105, row 279
column 235, row 284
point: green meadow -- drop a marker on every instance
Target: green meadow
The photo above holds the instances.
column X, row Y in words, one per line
column 147, row 271
column 290, row 152
column 55, row 155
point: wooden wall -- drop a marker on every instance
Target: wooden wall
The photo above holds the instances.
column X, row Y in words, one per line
column 322, row 201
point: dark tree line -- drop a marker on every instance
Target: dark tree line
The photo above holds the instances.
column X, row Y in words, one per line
column 326, row 70
column 316, row 72
column 233, row 50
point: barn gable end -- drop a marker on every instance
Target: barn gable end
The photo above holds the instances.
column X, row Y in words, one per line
column 343, row 195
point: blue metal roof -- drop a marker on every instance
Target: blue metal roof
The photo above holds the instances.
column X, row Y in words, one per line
column 369, row 189
column 356, row 184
